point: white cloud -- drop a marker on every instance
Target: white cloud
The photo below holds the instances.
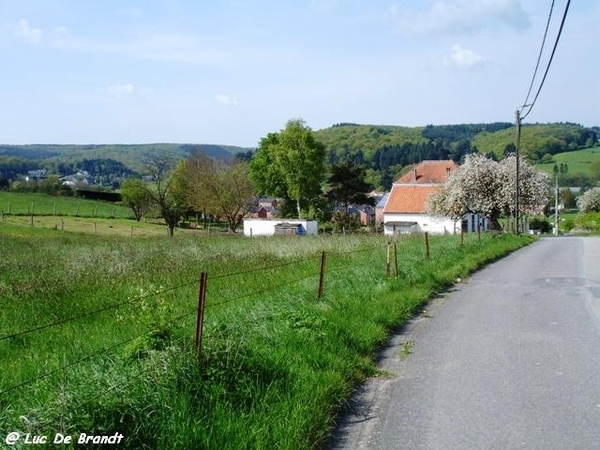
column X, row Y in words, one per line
column 121, row 90
column 28, row 33
column 464, row 58
column 225, row 100
column 459, row 16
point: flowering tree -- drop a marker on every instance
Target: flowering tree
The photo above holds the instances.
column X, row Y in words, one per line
column 472, row 188
column 486, row 187
column 534, row 187
column 589, row 201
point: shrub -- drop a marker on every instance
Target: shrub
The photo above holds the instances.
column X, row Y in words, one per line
column 589, row 221
column 589, row 201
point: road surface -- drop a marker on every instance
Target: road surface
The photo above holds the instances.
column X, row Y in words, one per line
column 509, row 359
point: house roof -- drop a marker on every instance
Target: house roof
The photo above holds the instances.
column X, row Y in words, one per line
column 383, row 201
column 407, row 198
column 428, row 172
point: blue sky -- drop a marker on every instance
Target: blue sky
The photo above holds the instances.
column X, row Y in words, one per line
column 231, row 71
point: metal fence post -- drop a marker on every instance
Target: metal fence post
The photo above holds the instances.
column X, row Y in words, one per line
column 322, row 275
column 200, row 318
column 426, row 245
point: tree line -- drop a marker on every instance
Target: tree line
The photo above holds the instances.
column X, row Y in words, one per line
column 289, row 164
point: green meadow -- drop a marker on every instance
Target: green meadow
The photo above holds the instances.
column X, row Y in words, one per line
column 25, row 204
column 586, row 162
column 98, row 332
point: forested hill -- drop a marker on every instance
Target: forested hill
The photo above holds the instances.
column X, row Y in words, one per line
column 131, row 156
column 367, row 141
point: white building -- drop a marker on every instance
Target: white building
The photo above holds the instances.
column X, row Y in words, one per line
column 270, row 227
column 405, row 209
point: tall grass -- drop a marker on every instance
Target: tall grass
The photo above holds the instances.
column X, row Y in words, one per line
column 276, row 365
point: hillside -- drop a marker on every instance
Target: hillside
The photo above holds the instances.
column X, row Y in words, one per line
column 582, row 167
column 132, row 156
column 538, row 139
column 386, row 150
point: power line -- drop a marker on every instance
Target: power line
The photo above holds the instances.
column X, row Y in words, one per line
column 562, row 23
column 537, row 64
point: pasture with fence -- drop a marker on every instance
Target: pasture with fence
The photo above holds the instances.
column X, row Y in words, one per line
column 102, row 334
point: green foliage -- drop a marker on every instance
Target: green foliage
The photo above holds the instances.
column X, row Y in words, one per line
column 290, row 164
column 218, row 188
column 536, row 140
column 132, row 155
column 540, row 224
column 347, row 140
column 343, row 221
column 135, row 195
column 589, row 221
column 582, row 167
column 347, row 185
column 277, row 364
column 568, row 198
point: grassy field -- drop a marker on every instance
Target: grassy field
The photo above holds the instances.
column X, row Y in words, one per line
column 73, row 214
column 97, row 332
column 14, row 203
column 580, row 161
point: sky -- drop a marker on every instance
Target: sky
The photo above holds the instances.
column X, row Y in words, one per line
column 231, row 71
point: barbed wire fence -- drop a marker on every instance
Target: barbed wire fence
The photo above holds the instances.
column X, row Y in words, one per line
column 321, row 268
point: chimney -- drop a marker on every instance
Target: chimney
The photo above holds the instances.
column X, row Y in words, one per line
column 415, row 174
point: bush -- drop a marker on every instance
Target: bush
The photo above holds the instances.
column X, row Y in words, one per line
column 540, row 224
column 568, row 225
column 589, row 221
column 589, row 201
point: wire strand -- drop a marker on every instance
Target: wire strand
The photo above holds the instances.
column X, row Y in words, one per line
column 97, row 311
column 562, row 23
column 537, row 64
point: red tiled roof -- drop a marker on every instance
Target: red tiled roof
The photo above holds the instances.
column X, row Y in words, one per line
column 429, row 172
column 405, row 199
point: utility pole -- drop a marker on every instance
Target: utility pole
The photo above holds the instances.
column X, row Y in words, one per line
column 517, row 145
column 556, row 207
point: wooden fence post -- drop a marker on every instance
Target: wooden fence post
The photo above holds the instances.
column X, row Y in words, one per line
column 426, row 245
column 200, row 317
column 322, row 275
column 396, row 259
column 387, row 263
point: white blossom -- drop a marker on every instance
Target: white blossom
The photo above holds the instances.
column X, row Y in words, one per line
column 483, row 186
column 589, row 201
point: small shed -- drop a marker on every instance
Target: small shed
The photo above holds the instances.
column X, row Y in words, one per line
column 280, row 227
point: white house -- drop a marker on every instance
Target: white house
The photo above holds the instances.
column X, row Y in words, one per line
column 405, row 209
column 269, row 227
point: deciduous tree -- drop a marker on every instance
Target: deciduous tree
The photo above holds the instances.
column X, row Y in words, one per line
column 219, row 188
column 136, row 196
column 290, row 164
column 165, row 191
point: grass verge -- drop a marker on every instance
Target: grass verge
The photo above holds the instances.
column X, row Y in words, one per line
column 277, row 363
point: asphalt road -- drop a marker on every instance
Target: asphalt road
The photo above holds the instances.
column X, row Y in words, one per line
column 509, row 359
